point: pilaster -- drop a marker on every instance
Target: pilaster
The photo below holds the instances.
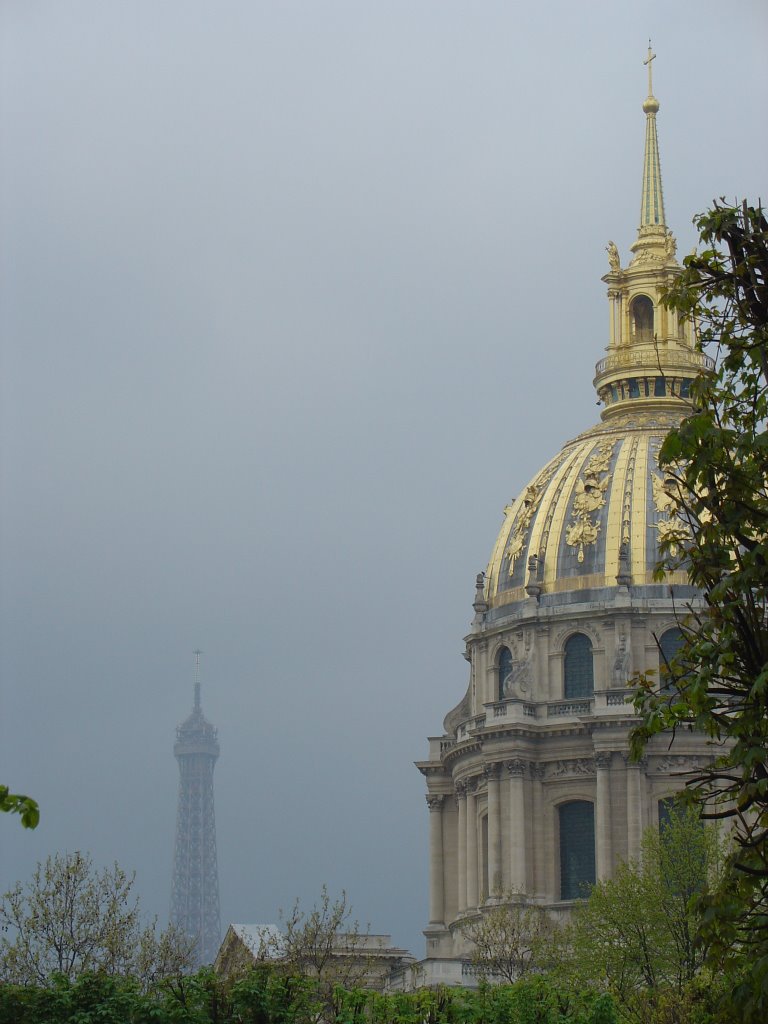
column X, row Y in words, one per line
column 436, row 884
column 492, row 774
column 603, row 814
column 461, row 827
column 518, row 843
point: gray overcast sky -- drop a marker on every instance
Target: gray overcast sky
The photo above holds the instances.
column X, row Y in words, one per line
column 294, row 297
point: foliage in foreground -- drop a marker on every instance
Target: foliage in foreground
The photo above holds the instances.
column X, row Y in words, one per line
column 268, row 996
column 17, row 803
column 324, row 944
column 716, row 468
column 638, row 928
column 70, row 919
column 509, row 940
column 634, row 938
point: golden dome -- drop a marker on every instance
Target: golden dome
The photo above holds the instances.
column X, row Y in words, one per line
column 591, row 519
column 589, row 524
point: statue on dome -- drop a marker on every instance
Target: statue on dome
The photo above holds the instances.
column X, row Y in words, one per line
column 613, row 256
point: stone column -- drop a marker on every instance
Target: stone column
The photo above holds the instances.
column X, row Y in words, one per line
column 518, row 837
column 612, row 296
column 494, row 829
column 461, row 845
column 603, row 814
column 635, row 824
column 471, row 847
column 622, row 323
column 436, row 893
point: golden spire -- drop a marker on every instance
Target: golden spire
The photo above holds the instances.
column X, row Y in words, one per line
column 651, row 357
column 652, row 204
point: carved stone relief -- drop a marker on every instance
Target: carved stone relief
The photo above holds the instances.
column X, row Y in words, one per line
column 578, row 766
column 518, row 680
column 576, row 627
column 678, row 765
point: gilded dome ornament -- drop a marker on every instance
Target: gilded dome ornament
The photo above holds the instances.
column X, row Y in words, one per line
column 531, row 501
column 589, row 497
column 663, row 501
column 581, row 534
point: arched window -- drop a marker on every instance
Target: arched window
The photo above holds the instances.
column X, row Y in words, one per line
column 577, row 849
column 641, row 318
column 577, row 671
column 669, row 644
column 505, row 670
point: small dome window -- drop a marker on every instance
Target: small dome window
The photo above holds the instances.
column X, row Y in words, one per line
column 641, row 318
column 577, row 670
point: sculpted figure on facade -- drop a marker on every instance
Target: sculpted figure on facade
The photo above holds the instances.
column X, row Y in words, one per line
column 621, row 662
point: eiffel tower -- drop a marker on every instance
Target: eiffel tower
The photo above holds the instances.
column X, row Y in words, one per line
column 195, row 888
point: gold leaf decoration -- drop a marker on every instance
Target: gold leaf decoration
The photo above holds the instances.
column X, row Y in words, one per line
column 589, row 497
column 531, row 501
column 672, row 530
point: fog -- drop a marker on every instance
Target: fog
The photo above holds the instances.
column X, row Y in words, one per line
column 294, row 298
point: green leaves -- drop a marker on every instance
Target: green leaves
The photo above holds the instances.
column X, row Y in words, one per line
column 635, row 937
column 15, row 803
column 718, row 458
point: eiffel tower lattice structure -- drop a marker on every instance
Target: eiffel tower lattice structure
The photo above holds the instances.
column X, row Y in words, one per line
column 195, row 888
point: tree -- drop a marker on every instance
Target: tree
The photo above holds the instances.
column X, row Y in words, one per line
column 71, row 919
column 636, row 935
column 324, row 944
column 716, row 469
column 508, row 938
column 16, row 803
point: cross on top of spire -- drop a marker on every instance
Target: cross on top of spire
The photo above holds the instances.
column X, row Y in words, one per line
column 652, row 205
column 648, row 60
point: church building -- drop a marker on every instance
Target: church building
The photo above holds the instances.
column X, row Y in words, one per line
column 530, row 787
